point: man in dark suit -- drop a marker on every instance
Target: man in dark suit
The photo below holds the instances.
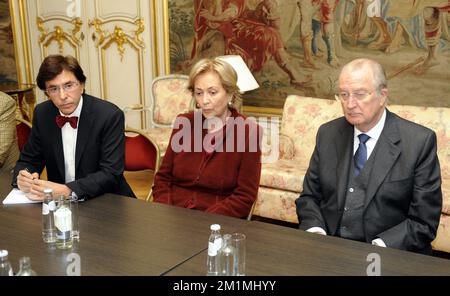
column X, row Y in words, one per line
column 78, row 138
column 373, row 176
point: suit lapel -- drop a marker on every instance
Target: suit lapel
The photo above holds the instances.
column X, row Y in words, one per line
column 84, row 128
column 386, row 155
column 344, row 147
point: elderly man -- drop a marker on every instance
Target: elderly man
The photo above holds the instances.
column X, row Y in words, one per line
column 373, row 176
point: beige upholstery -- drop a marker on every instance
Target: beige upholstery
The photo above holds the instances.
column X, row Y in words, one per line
column 170, row 97
column 281, row 182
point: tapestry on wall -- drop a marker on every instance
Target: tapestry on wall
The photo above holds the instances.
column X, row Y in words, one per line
column 8, row 72
column 298, row 47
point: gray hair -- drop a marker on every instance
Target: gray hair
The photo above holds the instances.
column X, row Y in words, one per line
column 379, row 74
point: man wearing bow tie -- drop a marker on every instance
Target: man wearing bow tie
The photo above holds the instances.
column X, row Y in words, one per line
column 77, row 137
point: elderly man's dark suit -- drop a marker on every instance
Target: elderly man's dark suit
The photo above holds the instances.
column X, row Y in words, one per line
column 403, row 198
column 99, row 154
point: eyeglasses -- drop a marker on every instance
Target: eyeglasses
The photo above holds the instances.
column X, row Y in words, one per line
column 67, row 87
column 359, row 95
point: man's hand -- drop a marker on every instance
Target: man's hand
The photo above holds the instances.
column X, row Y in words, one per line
column 38, row 187
column 25, row 180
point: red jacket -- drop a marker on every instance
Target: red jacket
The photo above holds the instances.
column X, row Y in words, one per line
column 217, row 182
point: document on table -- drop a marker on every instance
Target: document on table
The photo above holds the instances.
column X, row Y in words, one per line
column 17, row 197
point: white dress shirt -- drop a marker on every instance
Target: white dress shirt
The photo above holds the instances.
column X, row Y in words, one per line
column 374, row 134
column 69, row 140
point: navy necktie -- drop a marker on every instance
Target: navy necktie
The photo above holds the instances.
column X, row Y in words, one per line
column 361, row 153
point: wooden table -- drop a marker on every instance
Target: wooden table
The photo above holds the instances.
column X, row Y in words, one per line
column 118, row 236
column 278, row 250
column 19, row 91
column 125, row 236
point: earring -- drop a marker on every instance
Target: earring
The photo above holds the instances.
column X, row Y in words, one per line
column 230, row 104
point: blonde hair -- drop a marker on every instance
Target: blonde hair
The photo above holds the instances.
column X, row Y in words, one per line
column 227, row 74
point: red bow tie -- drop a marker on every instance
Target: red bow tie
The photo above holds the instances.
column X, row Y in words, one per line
column 62, row 120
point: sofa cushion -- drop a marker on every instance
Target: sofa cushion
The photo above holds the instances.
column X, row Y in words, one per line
column 283, row 174
column 442, row 241
column 276, row 204
column 302, row 117
column 446, row 196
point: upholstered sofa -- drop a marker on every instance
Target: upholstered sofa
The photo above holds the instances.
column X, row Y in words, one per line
column 281, row 182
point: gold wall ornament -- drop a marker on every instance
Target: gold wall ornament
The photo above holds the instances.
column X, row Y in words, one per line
column 121, row 39
column 137, row 38
column 41, row 28
column 97, row 24
column 59, row 35
column 118, row 36
column 77, row 23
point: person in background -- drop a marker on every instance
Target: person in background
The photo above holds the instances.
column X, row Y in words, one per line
column 373, row 176
column 78, row 138
column 9, row 149
column 213, row 162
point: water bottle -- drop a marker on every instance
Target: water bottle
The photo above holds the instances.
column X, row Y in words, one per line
column 48, row 219
column 227, row 256
column 63, row 223
column 5, row 266
column 214, row 246
column 25, row 267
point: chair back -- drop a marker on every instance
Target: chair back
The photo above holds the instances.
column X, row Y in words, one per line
column 23, row 129
column 141, row 153
column 170, row 97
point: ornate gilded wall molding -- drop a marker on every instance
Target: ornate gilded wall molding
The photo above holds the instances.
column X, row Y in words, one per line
column 41, row 28
column 118, row 36
column 97, row 24
column 137, row 34
column 58, row 34
column 77, row 23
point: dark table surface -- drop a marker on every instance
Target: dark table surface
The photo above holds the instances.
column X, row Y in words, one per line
column 278, row 250
column 118, row 236
column 125, row 236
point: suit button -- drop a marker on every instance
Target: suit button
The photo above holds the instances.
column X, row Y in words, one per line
column 351, row 190
column 346, row 209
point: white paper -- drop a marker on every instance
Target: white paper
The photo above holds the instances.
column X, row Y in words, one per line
column 17, row 197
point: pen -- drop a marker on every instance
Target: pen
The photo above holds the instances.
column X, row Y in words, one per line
column 29, row 172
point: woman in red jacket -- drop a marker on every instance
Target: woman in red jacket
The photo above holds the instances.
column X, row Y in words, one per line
column 213, row 161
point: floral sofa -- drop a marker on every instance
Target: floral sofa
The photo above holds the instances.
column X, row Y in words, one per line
column 282, row 181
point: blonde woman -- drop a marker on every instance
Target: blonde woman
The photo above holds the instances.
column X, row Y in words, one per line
column 213, row 161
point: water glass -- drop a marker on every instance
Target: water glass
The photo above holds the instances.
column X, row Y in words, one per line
column 238, row 243
column 75, row 224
